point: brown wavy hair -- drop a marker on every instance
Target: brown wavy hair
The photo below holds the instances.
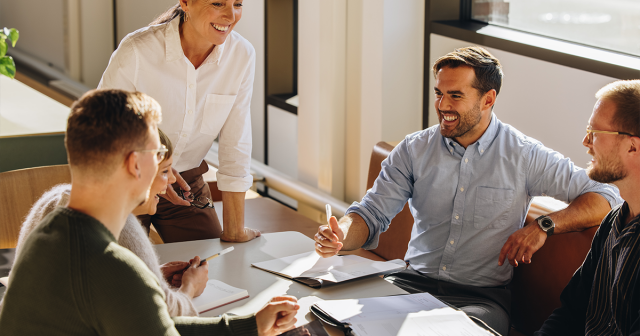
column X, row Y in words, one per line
column 487, row 68
column 106, row 125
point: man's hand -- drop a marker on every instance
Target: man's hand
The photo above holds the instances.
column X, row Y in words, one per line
column 195, row 278
column 329, row 238
column 278, row 316
column 171, row 194
column 522, row 244
column 172, row 268
column 245, row 235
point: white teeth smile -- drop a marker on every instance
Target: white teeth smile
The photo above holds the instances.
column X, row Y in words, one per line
column 220, row 28
column 450, row 118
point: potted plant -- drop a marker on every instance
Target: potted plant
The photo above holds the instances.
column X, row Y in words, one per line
column 7, row 65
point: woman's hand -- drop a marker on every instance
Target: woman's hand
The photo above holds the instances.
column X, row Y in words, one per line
column 171, row 194
column 170, row 269
column 278, row 316
column 245, row 235
column 195, row 278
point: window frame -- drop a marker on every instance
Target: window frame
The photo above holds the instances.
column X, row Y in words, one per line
column 453, row 19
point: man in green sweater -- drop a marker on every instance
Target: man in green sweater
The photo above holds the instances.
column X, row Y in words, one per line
column 72, row 277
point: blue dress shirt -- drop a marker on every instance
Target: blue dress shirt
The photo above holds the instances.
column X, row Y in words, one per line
column 467, row 202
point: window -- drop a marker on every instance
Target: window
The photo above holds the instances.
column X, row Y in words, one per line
column 607, row 24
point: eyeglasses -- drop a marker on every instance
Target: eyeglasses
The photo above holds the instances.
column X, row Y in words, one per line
column 198, row 202
column 160, row 152
column 591, row 131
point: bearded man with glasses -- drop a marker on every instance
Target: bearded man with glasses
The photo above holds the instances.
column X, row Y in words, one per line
column 603, row 296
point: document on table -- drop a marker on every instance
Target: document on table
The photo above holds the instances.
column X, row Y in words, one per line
column 217, row 294
column 315, row 271
column 413, row 314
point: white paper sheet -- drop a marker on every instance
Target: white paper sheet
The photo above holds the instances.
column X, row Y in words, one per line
column 415, row 314
column 216, row 294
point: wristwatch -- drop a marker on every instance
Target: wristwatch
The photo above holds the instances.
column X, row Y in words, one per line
column 546, row 224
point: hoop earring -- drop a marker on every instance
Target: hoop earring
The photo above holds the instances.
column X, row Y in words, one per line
column 186, row 16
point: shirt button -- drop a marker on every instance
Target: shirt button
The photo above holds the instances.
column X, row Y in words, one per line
column 190, row 112
column 466, row 160
column 457, row 217
column 461, row 189
column 191, row 86
column 184, row 135
column 444, row 268
column 451, row 242
column 451, row 150
column 482, row 151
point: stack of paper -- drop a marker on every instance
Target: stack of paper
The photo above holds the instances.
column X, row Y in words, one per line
column 414, row 314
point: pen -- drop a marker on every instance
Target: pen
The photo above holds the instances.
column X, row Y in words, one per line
column 225, row 251
column 328, row 207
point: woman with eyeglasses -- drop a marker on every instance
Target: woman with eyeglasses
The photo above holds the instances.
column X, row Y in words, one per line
column 201, row 72
column 178, row 288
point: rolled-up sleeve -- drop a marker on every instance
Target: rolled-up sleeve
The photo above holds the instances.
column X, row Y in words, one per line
column 551, row 174
column 387, row 197
column 234, row 152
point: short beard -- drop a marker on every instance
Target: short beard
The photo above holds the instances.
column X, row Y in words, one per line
column 609, row 173
column 466, row 122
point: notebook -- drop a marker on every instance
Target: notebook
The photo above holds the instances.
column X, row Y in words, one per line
column 217, row 294
column 314, row 271
column 402, row 315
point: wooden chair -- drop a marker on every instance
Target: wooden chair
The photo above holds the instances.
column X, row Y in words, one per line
column 19, row 189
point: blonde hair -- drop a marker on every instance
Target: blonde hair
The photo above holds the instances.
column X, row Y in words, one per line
column 164, row 139
column 625, row 94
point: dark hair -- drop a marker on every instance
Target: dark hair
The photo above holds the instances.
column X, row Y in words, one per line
column 171, row 13
column 625, row 94
column 486, row 67
column 164, row 139
column 106, row 125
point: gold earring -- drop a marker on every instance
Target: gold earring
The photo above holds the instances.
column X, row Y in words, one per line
column 186, row 16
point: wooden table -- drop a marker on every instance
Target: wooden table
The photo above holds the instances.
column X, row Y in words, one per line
column 269, row 216
column 235, row 269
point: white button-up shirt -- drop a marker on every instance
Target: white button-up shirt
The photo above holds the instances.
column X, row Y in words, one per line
column 197, row 104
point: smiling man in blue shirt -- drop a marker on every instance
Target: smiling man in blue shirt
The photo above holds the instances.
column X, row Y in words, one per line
column 469, row 182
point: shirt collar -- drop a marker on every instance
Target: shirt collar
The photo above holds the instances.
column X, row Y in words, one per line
column 485, row 140
column 620, row 228
column 172, row 41
column 173, row 47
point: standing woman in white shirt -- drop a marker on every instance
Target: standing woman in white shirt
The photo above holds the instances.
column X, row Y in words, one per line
column 201, row 72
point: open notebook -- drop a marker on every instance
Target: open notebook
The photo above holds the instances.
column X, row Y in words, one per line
column 314, row 271
column 217, row 294
column 402, row 315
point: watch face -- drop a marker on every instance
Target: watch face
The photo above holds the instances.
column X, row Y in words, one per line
column 546, row 223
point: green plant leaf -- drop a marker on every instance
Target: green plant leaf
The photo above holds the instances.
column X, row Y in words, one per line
column 8, row 67
column 13, row 36
column 3, row 48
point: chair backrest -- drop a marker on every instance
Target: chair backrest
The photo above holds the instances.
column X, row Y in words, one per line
column 394, row 242
column 535, row 288
column 19, row 190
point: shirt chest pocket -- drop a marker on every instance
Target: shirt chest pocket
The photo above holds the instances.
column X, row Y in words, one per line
column 492, row 208
column 216, row 111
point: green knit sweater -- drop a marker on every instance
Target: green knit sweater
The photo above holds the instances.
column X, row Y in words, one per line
column 72, row 278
